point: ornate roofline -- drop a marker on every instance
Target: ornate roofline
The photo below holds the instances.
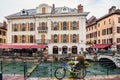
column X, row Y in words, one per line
column 49, row 15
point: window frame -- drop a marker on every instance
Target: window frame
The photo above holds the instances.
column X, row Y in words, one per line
column 31, row 27
column 15, row 38
column 74, row 25
column 74, row 38
column 118, row 19
column 43, row 26
column 23, row 27
column 55, row 25
column 64, row 25
column 64, row 38
column 43, row 10
column 23, row 39
column 15, row 27
column 55, row 38
column 31, row 39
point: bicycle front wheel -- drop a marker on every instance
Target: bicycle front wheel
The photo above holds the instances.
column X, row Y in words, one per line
column 60, row 73
column 82, row 73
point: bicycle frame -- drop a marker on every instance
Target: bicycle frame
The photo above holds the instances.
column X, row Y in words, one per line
column 67, row 67
column 60, row 72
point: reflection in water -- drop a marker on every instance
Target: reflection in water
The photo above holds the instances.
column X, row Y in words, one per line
column 102, row 68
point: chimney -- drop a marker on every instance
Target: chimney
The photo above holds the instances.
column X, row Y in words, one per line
column 53, row 6
column 53, row 9
column 80, row 8
column 4, row 24
column 112, row 9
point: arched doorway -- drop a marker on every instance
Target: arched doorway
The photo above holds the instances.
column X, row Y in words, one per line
column 64, row 50
column 55, row 50
column 74, row 49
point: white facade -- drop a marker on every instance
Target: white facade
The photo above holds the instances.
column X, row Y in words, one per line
column 37, row 17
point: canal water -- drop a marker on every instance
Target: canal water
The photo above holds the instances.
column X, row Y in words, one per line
column 47, row 69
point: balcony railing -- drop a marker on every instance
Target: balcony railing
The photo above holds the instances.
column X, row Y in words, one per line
column 47, row 41
column 43, row 41
column 42, row 29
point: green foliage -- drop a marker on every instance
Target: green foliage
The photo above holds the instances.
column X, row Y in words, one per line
column 40, row 51
column 87, row 64
column 85, row 52
column 102, row 51
column 35, row 55
column 69, row 54
column 95, row 57
column 113, row 52
column 71, row 62
column 54, row 57
column 73, row 75
column 89, row 43
column 16, row 54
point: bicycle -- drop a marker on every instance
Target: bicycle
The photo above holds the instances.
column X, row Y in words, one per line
column 60, row 72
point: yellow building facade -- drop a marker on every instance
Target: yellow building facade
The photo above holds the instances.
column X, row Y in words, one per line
column 104, row 30
column 3, row 34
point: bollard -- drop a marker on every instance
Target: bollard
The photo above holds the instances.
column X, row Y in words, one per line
column 1, row 76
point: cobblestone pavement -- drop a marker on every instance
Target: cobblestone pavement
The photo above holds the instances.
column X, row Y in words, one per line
column 87, row 78
column 13, row 77
column 19, row 77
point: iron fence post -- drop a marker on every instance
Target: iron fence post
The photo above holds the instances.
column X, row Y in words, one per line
column 107, row 71
column 1, row 67
column 25, row 70
column 1, row 77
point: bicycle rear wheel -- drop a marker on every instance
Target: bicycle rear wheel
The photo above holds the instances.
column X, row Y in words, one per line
column 60, row 73
column 82, row 73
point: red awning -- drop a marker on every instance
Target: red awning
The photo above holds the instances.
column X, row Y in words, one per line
column 22, row 46
column 101, row 46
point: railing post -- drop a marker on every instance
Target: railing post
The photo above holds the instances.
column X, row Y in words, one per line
column 1, row 77
column 51, row 69
column 107, row 71
column 1, row 67
column 25, row 70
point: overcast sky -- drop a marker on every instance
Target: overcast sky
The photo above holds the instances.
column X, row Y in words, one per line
column 97, row 8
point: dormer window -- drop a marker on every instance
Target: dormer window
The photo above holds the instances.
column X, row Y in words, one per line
column 43, row 10
column 24, row 12
column 64, row 9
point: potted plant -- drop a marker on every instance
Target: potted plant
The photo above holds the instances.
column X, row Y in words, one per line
column 35, row 54
column 85, row 52
column 113, row 52
column 95, row 57
column 16, row 55
column 102, row 51
column 54, row 57
column 70, row 63
column 81, row 61
column 69, row 55
column 45, row 57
